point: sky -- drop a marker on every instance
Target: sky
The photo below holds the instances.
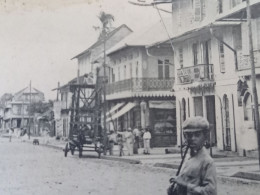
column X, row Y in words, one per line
column 38, row 38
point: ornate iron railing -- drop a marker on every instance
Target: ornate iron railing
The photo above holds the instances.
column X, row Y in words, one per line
column 140, row 84
column 200, row 72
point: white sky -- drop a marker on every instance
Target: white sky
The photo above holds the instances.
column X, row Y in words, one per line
column 39, row 37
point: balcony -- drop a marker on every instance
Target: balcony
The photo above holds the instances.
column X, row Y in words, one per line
column 140, row 85
column 244, row 61
column 200, row 72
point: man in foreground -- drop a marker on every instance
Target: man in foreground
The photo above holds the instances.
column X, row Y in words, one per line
column 198, row 174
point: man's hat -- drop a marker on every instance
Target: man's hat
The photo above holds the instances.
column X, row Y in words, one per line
column 194, row 124
column 129, row 129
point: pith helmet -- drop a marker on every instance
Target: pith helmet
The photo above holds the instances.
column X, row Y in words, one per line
column 194, row 124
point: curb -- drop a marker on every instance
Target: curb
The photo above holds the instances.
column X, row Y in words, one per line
column 103, row 157
column 223, row 179
column 131, row 161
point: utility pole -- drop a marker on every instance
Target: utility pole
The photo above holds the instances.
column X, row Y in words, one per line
column 253, row 77
column 29, row 133
column 104, row 93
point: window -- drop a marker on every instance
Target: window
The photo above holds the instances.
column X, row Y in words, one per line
column 124, row 71
column 164, row 69
column 131, row 71
column 234, row 3
column 167, row 69
column 220, row 6
column 181, row 57
column 195, row 53
column 136, row 69
column 248, row 111
column 160, row 69
column 205, row 52
column 221, row 56
column 118, row 73
column 199, row 7
column 113, row 75
column 183, row 109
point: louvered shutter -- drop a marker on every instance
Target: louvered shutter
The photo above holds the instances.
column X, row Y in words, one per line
column 197, row 10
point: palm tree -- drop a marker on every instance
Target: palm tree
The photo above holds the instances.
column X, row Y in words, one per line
column 106, row 24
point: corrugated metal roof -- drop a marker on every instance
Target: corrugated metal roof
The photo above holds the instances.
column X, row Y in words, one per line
column 155, row 33
column 100, row 41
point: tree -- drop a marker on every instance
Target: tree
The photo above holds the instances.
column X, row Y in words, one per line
column 39, row 107
column 106, row 24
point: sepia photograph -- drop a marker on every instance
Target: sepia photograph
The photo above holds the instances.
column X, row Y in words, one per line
column 129, row 97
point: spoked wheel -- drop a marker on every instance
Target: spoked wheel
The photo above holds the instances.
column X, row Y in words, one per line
column 66, row 149
column 72, row 149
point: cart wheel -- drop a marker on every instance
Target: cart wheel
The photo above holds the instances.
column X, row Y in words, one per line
column 80, row 152
column 72, row 150
column 66, row 149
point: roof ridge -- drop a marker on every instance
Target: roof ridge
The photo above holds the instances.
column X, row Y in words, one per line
column 100, row 41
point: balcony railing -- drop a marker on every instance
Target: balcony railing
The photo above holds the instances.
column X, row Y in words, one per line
column 200, row 72
column 140, row 84
column 244, row 61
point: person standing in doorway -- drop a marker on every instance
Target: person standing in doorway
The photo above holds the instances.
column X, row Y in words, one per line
column 146, row 138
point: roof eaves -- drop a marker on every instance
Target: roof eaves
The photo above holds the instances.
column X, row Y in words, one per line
column 100, row 41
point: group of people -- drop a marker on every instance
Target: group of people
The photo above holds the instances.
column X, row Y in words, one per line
column 132, row 139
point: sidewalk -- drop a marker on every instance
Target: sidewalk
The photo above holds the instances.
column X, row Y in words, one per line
column 230, row 167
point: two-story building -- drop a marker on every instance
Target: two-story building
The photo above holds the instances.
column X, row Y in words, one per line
column 212, row 77
column 16, row 113
column 139, row 89
column 88, row 62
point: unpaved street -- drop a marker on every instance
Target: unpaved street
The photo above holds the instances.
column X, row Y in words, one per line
column 26, row 169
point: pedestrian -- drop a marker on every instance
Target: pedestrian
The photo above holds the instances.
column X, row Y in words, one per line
column 112, row 139
column 120, row 143
column 198, row 174
column 136, row 133
column 129, row 138
column 146, row 138
column 11, row 131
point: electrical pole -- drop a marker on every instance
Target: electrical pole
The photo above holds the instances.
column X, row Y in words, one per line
column 104, row 93
column 253, row 77
column 29, row 133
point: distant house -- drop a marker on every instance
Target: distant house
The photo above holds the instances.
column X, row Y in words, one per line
column 88, row 62
column 16, row 108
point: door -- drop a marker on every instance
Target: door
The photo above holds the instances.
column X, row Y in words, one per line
column 198, row 106
column 211, row 116
column 227, row 140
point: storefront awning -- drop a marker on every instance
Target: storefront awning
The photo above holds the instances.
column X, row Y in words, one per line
column 162, row 104
column 113, row 109
column 124, row 110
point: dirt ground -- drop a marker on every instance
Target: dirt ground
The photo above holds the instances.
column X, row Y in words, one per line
column 27, row 169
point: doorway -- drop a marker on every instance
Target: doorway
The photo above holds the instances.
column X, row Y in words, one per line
column 227, row 140
column 211, row 117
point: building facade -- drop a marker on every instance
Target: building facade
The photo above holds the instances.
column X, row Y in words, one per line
column 213, row 77
column 16, row 113
column 139, row 89
column 89, row 61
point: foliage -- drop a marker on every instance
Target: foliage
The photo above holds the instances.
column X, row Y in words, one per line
column 40, row 107
column 106, row 23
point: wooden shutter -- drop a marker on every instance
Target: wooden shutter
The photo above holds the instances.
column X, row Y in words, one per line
column 197, row 10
